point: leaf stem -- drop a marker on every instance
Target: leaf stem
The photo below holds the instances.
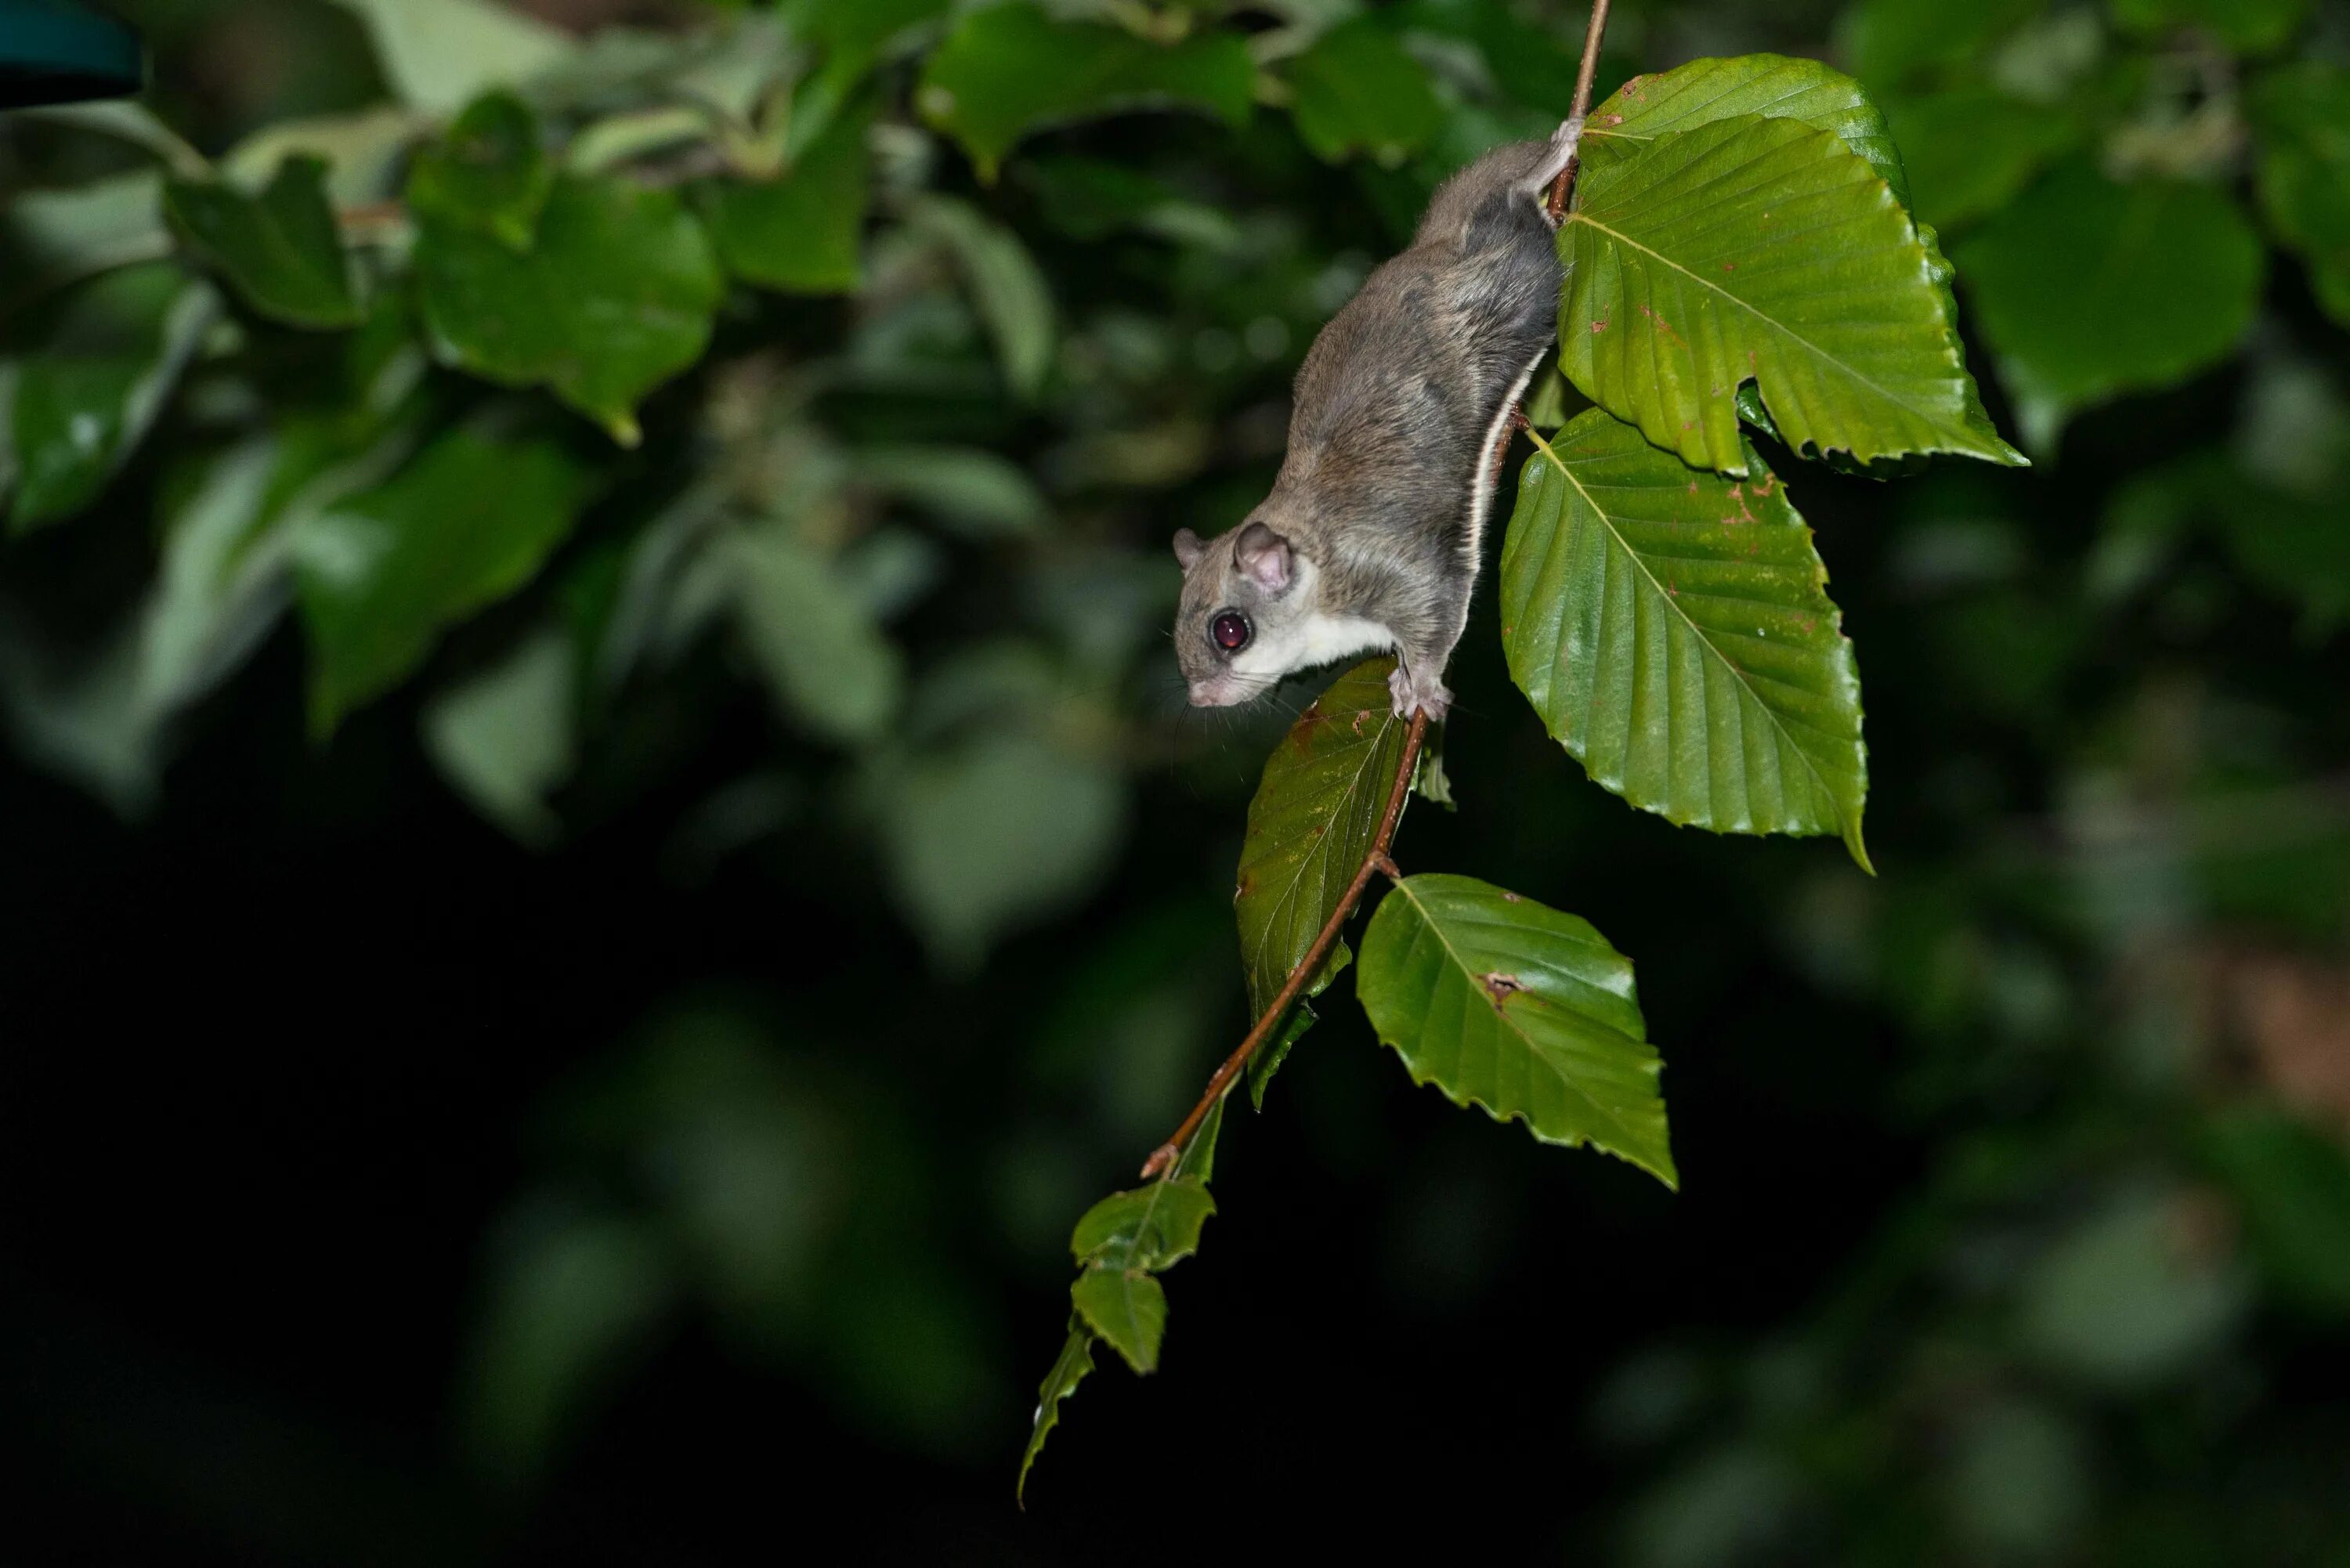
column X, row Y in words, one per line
column 1561, row 187
column 1376, row 860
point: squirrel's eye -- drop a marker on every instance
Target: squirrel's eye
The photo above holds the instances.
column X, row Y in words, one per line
column 1232, row 631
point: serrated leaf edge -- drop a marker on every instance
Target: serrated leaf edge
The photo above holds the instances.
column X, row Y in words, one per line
column 1069, row 1368
column 1669, row 1174
column 1851, row 827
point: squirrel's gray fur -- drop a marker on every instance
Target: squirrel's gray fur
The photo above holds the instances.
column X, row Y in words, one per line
column 1372, row 536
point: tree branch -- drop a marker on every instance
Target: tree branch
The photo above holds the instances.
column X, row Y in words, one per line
column 1564, row 185
column 1163, row 1159
column 1376, row 860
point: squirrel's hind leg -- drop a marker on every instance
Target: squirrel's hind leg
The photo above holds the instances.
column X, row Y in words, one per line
column 1413, row 689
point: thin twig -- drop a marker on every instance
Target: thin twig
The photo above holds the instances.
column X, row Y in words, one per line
column 1589, row 68
column 1164, row 1157
column 1376, row 859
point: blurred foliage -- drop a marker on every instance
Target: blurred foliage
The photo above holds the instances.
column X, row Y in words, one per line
column 660, row 464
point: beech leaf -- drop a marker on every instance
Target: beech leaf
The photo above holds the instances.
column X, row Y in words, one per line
column 1068, row 1369
column 488, row 173
column 279, row 250
column 1151, row 1227
column 382, row 574
column 803, row 231
column 615, row 294
column 2302, row 114
column 1356, row 91
column 1763, row 250
column 1315, row 811
column 74, row 419
column 1518, row 1009
column 2087, row 288
column 1009, row 70
column 1673, row 629
column 1778, row 85
column 1126, row 1307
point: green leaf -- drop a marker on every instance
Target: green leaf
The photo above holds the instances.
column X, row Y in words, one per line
column 1197, row 1160
column 615, row 296
column 1704, row 92
column 1069, row 1369
column 1505, row 1005
column 1977, row 418
column 1970, row 150
column 1128, row 1309
column 854, row 35
column 2293, row 542
column 857, row 28
column 74, row 418
column 803, row 232
column 280, row 249
column 1356, row 91
column 1008, row 70
column 382, row 574
column 748, row 70
column 1302, row 1017
column 892, row 570
column 1316, row 812
column 1091, row 199
column 1762, row 250
column 977, row 494
column 220, row 584
column 1751, row 409
column 1006, row 286
column 1152, row 1227
column 2251, row 26
column 78, row 229
column 1546, row 405
column 365, row 150
column 578, row 1291
column 2087, row 289
column 993, row 832
column 2292, row 1184
column 1428, row 779
column 1891, row 43
column 818, row 645
column 1127, row 1237
column 1673, row 629
column 2119, row 1301
column 1533, row 63
column 2302, row 115
column 507, row 736
column 439, row 54
column 489, row 173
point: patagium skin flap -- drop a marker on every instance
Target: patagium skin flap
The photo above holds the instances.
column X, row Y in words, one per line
column 1372, row 536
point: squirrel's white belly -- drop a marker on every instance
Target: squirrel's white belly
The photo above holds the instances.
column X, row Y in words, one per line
column 1315, row 638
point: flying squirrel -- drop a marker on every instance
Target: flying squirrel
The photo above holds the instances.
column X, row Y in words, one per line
column 1374, row 531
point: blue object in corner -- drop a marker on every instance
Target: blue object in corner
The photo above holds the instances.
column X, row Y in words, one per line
column 59, row 51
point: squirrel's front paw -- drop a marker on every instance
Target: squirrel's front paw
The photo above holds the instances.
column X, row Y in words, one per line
column 1427, row 693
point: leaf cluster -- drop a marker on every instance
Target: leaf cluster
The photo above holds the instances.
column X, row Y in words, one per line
column 1739, row 244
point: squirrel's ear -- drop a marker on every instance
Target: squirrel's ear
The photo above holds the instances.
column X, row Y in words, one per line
column 1187, row 548
column 1265, row 555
